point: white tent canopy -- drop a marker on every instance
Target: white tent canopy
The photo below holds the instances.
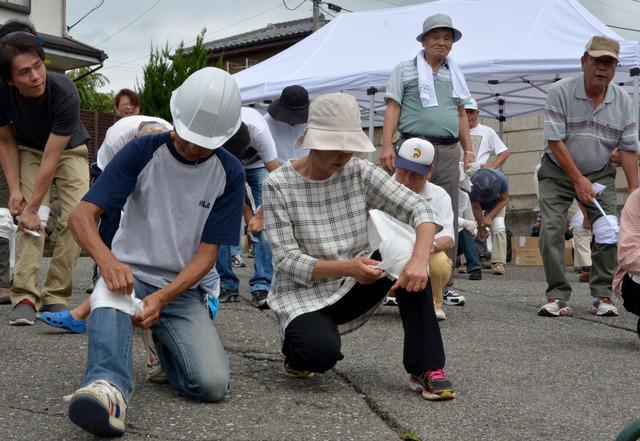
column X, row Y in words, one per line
column 510, row 52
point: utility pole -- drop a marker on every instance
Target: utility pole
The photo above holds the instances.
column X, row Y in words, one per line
column 316, row 15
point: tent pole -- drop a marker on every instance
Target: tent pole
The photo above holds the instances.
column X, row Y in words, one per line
column 501, row 118
column 635, row 74
column 372, row 98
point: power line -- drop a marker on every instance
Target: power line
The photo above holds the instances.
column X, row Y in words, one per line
column 100, row 3
column 292, row 9
column 325, row 11
column 626, row 29
column 130, row 23
column 615, row 7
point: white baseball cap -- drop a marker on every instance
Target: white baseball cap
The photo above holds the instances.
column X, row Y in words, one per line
column 470, row 103
column 416, row 155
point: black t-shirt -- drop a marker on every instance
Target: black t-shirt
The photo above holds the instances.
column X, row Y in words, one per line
column 57, row 112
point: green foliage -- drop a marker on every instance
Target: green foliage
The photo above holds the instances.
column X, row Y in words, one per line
column 90, row 98
column 409, row 436
column 164, row 73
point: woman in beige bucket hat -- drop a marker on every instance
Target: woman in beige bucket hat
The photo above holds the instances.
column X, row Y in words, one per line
column 326, row 280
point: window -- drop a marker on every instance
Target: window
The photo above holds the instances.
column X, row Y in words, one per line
column 18, row 5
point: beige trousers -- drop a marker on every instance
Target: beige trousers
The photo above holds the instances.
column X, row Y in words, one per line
column 439, row 273
column 72, row 182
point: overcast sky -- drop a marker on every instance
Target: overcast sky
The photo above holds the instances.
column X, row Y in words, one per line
column 126, row 29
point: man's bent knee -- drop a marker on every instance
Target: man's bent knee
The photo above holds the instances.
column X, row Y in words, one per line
column 318, row 356
column 210, row 386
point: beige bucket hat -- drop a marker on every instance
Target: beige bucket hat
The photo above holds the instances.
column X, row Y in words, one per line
column 334, row 124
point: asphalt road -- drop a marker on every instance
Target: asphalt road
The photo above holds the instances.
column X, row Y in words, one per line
column 518, row 376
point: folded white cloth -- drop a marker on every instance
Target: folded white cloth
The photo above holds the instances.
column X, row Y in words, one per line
column 102, row 297
column 425, row 81
column 606, row 229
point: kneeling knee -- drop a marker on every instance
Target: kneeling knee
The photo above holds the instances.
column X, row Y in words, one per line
column 315, row 356
column 210, row 387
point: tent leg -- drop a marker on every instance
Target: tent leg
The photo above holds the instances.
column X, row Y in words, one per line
column 372, row 97
column 635, row 73
column 501, row 118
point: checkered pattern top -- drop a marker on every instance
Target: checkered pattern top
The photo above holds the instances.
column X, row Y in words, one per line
column 307, row 221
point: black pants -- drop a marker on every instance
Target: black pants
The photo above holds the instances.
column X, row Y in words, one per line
column 312, row 342
column 631, row 296
column 4, row 242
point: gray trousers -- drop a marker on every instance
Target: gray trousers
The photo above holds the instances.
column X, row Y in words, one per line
column 556, row 195
column 4, row 242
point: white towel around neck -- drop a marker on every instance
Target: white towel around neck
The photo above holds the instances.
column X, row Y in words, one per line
column 425, row 81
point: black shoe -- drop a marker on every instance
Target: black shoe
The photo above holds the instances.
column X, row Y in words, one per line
column 475, row 275
column 259, row 299
column 227, row 296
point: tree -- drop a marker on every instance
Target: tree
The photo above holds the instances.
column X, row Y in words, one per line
column 164, row 73
column 90, row 98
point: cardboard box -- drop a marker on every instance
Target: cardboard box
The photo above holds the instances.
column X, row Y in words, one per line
column 525, row 252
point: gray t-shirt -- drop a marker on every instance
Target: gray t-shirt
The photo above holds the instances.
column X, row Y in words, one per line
column 590, row 134
column 56, row 112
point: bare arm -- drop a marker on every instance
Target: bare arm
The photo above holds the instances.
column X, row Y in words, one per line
column 442, row 244
column 488, row 218
column 391, row 118
column 10, row 161
column 582, row 185
column 629, row 161
column 500, row 158
column 464, row 135
column 50, row 157
column 272, row 165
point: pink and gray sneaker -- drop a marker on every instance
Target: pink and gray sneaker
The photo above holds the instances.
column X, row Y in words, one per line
column 433, row 385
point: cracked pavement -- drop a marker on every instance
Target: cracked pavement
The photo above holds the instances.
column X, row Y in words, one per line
column 517, row 376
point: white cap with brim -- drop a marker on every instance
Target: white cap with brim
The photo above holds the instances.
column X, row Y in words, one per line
column 470, row 104
column 416, row 155
column 334, row 124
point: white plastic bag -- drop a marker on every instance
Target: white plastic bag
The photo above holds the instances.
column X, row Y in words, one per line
column 8, row 231
column 394, row 239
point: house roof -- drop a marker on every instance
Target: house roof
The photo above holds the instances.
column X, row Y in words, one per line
column 72, row 46
column 273, row 31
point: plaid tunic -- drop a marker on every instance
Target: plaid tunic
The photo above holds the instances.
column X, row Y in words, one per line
column 309, row 220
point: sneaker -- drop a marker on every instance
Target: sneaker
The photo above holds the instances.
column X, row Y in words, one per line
column 440, row 315
column 154, row 372
column 5, row 296
column 498, row 268
column 475, row 274
column 295, row 373
column 237, row 261
column 555, row 308
column 462, row 269
column 390, row 301
column 451, row 297
column 99, row 408
column 228, row 296
column 603, row 307
column 433, row 385
column 585, row 276
column 259, row 299
column 23, row 314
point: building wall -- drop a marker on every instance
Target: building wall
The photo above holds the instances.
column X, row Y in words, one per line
column 46, row 15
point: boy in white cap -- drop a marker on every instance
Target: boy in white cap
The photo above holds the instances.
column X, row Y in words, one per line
column 413, row 169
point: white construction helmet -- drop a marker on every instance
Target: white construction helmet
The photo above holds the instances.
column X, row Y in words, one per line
column 206, row 108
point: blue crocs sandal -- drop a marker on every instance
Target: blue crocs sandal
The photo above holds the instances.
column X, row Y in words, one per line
column 64, row 320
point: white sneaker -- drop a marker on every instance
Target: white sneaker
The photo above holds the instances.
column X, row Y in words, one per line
column 603, row 307
column 99, row 408
column 555, row 308
column 451, row 297
column 440, row 315
column 154, row 373
column 390, row 301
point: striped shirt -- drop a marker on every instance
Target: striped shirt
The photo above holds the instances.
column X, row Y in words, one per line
column 589, row 134
column 307, row 221
column 629, row 241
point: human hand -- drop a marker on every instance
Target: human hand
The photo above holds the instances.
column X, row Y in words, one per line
column 413, row 278
column 150, row 314
column 483, row 232
column 467, row 159
column 364, row 271
column 387, row 158
column 584, row 190
column 117, row 276
column 16, row 203
column 255, row 224
column 615, row 157
column 29, row 220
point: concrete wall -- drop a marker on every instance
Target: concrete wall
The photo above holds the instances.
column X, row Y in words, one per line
column 46, row 15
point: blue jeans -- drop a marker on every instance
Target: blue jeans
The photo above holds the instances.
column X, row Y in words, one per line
column 467, row 246
column 263, row 269
column 189, row 349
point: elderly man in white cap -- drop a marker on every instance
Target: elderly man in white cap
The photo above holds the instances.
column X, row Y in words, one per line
column 182, row 197
column 425, row 100
column 327, row 280
column 586, row 117
column 485, row 141
column 413, row 169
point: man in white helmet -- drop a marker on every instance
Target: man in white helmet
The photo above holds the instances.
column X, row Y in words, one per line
column 182, row 199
